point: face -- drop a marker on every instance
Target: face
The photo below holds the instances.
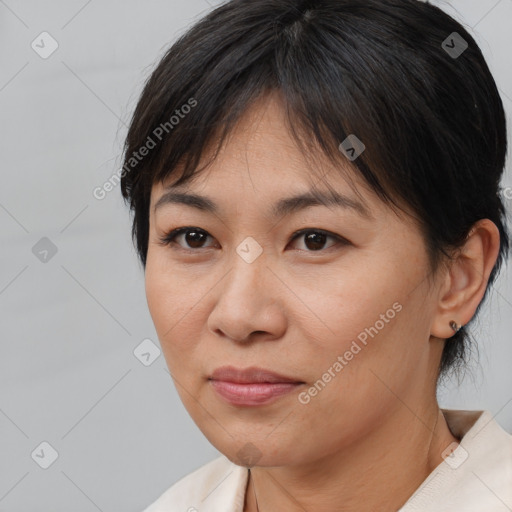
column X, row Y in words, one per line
column 343, row 308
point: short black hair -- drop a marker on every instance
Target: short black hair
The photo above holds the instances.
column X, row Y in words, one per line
column 395, row 73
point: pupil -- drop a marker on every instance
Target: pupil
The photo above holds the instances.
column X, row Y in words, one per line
column 190, row 238
column 318, row 243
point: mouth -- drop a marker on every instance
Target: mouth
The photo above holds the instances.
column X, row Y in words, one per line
column 251, row 386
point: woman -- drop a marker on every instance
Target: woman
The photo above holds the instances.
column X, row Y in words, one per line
column 315, row 190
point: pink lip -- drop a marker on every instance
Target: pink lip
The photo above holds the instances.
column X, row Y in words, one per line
column 252, row 386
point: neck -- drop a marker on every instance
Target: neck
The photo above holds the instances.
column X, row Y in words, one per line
column 379, row 472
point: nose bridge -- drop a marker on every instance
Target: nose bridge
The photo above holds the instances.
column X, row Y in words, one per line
column 245, row 303
column 249, row 269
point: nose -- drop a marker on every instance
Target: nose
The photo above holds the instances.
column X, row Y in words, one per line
column 248, row 303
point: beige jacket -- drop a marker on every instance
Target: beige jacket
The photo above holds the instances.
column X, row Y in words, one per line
column 477, row 477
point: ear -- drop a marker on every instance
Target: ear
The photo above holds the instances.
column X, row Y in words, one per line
column 464, row 284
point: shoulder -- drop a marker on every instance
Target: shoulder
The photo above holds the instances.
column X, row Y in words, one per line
column 488, row 455
column 217, row 485
column 477, row 475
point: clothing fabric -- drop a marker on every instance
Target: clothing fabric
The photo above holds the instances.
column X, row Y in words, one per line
column 476, row 477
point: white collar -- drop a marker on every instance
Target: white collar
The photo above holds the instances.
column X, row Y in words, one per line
column 480, row 482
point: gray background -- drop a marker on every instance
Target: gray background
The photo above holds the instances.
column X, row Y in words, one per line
column 69, row 326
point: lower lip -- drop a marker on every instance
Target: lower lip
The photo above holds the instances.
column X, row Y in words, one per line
column 252, row 394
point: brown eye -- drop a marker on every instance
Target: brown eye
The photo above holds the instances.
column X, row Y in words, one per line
column 315, row 239
column 194, row 237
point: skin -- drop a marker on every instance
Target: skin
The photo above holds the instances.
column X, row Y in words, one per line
column 370, row 437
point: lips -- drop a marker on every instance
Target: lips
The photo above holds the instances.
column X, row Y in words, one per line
column 252, row 375
column 251, row 386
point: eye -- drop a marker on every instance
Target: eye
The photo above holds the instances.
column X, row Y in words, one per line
column 315, row 239
column 194, row 237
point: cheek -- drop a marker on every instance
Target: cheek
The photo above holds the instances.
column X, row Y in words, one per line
column 160, row 301
column 166, row 297
column 176, row 308
column 364, row 324
column 349, row 304
column 372, row 350
column 167, row 288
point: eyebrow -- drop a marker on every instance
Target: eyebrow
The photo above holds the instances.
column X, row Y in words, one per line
column 282, row 208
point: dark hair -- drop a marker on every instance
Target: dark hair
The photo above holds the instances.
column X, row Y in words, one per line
column 432, row 121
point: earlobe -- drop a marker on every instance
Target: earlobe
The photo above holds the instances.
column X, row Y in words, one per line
column 466, row 279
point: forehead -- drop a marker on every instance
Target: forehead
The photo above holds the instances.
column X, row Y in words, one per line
column 260, row 153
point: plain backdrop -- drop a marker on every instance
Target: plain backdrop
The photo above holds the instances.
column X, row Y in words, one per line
column 78, row 391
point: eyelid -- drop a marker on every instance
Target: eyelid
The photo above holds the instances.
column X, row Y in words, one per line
column 303, row 231
column 168, row 238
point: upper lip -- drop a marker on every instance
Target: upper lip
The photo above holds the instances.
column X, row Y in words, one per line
column 249, row 375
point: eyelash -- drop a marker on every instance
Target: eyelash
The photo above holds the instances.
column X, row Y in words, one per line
column 168, row 238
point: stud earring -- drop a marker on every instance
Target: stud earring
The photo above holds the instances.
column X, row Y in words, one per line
column 454, row 326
